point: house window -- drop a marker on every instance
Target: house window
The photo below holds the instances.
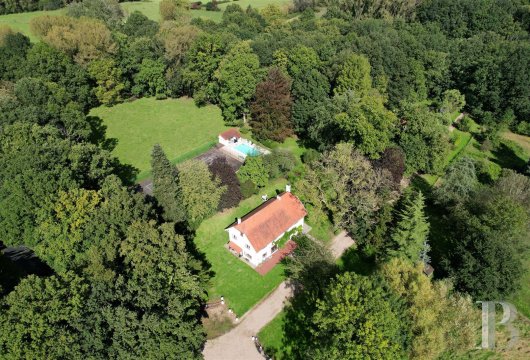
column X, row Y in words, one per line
column 248, row 256
column 247, row 246
column 234, row 237
column 264, row 254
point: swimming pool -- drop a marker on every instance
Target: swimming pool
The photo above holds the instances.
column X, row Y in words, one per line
column 247, row 150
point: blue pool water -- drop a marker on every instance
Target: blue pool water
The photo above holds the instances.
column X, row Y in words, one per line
column 247, row 150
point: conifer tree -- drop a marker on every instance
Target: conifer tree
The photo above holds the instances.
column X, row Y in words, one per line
column 166, row 186
column 411, row 229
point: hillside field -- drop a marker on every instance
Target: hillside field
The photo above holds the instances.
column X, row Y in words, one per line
column 176, row 124
column 150, row 8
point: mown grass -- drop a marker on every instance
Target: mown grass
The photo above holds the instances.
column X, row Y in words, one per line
column 20, row 22
column 241, row 286
column 178, row 125
column 150, row 8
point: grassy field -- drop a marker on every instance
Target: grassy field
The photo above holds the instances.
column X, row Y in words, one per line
column 20, row 22
column 177, row 124
column 241, row 286
column 149, row 8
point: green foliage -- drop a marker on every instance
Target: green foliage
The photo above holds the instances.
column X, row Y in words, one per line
column 108, row 78
column 40, row 163
column 174, row 10
column 279, row 163
column 354, row 75
column 354, row 320
column 486, row 240
column 139, row 25
column 434, row 313
column 459, row 182
column 248, row 188
column 364, row 122
column 108, row 11
column 254, row 170
column 201, row 193
column 452, row 101
column 237, row 75
column 411, row 230
column 150, row 79
column 166, row 186
column 344, row 184
column 42, row 316
column 424, row 140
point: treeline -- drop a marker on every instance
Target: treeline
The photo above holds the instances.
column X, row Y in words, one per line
column 20, row 6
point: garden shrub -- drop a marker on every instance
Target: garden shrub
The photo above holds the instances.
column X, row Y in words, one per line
column 248, row 188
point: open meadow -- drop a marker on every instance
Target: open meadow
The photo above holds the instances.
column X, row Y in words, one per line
column 183, row 129
column 150, row 8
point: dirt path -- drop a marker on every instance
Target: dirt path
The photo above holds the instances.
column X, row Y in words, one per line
column 237, row 344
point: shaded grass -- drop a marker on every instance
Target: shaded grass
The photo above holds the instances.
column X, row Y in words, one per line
column 272, row 337
column 181, row 128
column 241, row 285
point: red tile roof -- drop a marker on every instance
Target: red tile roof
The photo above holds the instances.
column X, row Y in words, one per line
column 270, row 220
column 230, row 133
column 233, row 246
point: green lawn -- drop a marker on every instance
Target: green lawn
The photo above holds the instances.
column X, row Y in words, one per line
column 149, row 8
column 272, row 337
column 241, row 286
column 20, row 22
column 183, row 129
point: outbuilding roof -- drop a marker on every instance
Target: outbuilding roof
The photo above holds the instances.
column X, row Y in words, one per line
column 230, row 133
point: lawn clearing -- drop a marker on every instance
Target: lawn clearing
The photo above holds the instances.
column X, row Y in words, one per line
column 241, row 286
column 181, row 128
column 150, row 8
column 20, row 22
column 273, row 339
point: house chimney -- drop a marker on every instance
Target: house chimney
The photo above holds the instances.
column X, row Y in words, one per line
column 288, row 188
column 239, row 220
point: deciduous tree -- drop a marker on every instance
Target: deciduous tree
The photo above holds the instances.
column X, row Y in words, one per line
column 237, row 75
column 224, row 172
column 201, row 192
column 254, row 170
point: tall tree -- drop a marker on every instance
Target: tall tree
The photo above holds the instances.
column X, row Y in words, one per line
column 344, row 184
column 423, row 138
column 108, row 78
column 201, row 191
column 271, row 108
column 412, row 228
column 237, row 75
column 354, row 75
column 354, row 320
column 166, row 186
column 254, row 170
column 434, row 312
column 485, row 245
column 459, row 182
column 108, row 11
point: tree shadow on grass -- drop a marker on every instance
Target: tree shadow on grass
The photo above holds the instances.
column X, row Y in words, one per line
column 507, row 157
column 98, row 134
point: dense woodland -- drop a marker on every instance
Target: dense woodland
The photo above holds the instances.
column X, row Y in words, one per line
column 368, row 89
